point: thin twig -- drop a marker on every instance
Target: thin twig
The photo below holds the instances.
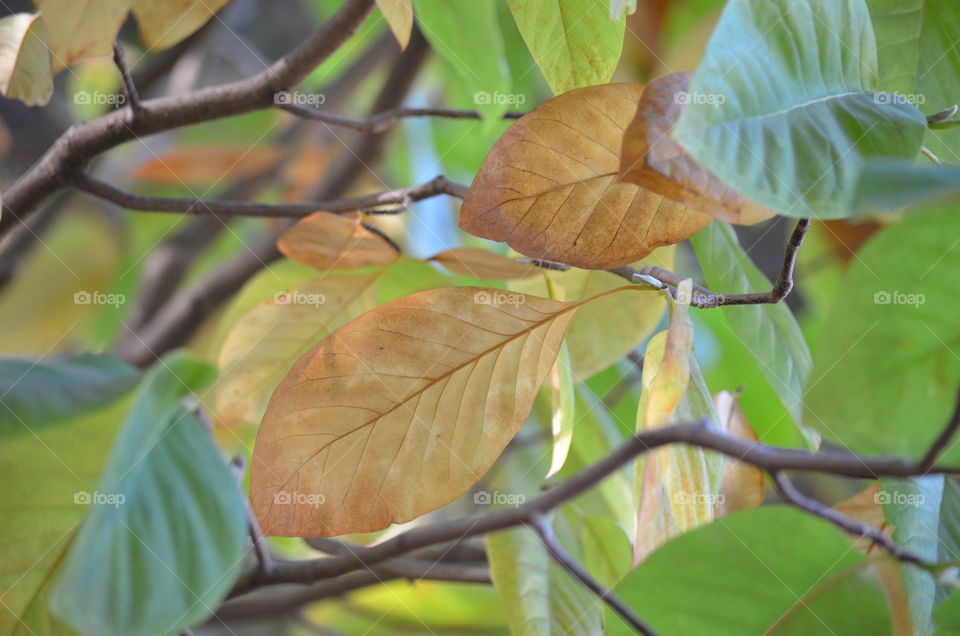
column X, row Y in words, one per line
column 436, row 186
column 130, row 88
column 945, row 437
column 385, row 120
column 851, row 526
column 410, row 568
column 260, row 547
column 704, row 298
column 542, row 527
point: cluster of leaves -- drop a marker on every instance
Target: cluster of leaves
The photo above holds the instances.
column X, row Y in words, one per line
column 382, row 387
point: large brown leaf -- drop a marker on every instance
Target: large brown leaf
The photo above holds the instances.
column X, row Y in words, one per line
column 401, row 410
column 550, row 186
column 653, row 160
column 326, row 241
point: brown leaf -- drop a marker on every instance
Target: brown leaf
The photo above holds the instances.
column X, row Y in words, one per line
column 651, row 159
column 163, row 23
column 401, row 410
column 204, row 165
column 742, row 484
column 399, row 15
column 550, row 187
column 326, row 241
column 480, row 263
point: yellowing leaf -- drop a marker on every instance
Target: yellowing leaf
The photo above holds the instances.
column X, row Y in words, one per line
column 399, row 15
column 163, row 23
column 480, row 263
column 627, row 319
column 207, row 164
column 81, row 29
column 326, row 241
column 264, row 344
column 653, row 160
column 25, row 72
column 742, row 484
column 401, row 410
column 562, row 396
column 550, row 187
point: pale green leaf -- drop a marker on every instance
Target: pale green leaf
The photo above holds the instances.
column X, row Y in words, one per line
column 25, row 71
column 783, row 106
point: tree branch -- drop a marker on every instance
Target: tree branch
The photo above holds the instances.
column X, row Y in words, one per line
column 542, row 528
column 384, row 120
column 129, row 87
column 84, row 141
column 403, row 196
column 945, row 437
column 703, row 298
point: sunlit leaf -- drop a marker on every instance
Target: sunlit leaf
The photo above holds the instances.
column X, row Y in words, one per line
column 741, row 485
column 653, row 160
column 402, row 409
column 480, row 263
column 81, row 29
column 163, row 23
column 696, row 583
column 25, row 71
column 399, row 15
column 465, row 33
column 627, row 320
column 783, row 107
column 263, row 345
column 327, row 241
column 886, row 372
column 575, row 43
column 166, row 534
column 549, row 186
column 39, row 391
column 769, row 332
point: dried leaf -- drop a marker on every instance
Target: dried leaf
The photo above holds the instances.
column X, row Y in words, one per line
column 401, row 410
column 653, row 160
column 399, row 15
column 326, row 241
column 480, row 263
column 163, row 23
column 550, row 186
column 742, row 484
column 81, row 29
column 265, row 343
column 25, row 72
column 204, row 165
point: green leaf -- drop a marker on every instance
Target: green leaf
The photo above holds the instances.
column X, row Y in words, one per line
column 43, row 475
column 783, row 105
column 607, row 550
column 540, row 598
column 886, row 369
column 576, row 43
column 912, row 507
column 888, row 185
column 466, row 34
column 947, row 616
column 769, row 332
column 564, row 409
column 166, row 534
column 39, row 391
column 25, row 72
column 770, row 570
column 919, row 58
